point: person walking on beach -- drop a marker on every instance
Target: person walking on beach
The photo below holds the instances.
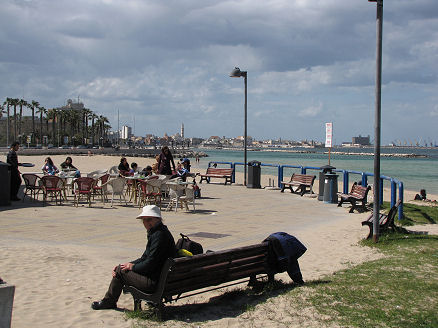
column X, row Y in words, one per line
column 164, row 162
column 12, row 159
column 144, row 272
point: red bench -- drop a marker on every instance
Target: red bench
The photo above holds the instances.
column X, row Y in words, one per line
column 217, row 173
column 301, row 181
column 358, row 193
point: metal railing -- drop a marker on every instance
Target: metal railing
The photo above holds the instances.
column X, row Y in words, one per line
column 396, row 185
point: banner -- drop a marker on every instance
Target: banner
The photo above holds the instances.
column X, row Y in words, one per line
column 328, row 134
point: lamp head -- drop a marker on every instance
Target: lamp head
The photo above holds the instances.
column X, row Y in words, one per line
column 236, row 72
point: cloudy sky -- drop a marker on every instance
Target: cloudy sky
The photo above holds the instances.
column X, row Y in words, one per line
column 163, row 63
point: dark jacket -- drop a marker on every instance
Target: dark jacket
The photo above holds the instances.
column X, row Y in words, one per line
column 12, row 159
column 159, row 248
column 164, row 163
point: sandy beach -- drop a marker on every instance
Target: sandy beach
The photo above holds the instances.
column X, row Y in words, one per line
column 60, row 257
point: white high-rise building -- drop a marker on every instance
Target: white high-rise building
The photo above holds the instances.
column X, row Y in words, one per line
column 126, row 132
column 182, row 131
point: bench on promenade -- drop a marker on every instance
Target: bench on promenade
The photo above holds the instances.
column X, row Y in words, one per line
column 187, row 274
column 301, row 181
column 217, row 173
column 358, row 193
column 386, row 221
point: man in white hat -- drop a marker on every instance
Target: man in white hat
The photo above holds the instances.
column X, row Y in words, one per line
column 144, row 272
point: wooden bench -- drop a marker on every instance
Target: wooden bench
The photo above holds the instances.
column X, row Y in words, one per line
column 217, row 173
column 358, row 193
column 386, row 221
column 186, row 274
column 301, row 181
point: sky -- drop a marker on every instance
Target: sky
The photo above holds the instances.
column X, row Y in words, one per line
column 163, row 63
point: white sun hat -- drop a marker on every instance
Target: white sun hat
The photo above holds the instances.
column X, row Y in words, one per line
column 150, row 211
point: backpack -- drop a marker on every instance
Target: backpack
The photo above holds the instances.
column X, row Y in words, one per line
column 196, row 191
column 186, row 243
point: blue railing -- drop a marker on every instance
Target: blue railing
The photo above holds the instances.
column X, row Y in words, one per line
column 395, row 184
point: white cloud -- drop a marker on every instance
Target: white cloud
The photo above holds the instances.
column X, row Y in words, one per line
column 310, row 111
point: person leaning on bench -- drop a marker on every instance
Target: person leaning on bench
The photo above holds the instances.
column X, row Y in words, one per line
column 144, row 272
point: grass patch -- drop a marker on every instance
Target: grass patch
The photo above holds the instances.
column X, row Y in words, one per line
column 413, row 214
column 400, row 290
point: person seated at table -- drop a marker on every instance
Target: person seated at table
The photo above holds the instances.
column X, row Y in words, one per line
column 49, row 168
column 144, row 272
column 133, row 169
column 186, row 163
column 147, row 171
column 124, row 167
column 67, row 165
column 181, row 172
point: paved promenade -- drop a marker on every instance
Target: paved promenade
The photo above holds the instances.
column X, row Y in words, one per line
column 60, row 257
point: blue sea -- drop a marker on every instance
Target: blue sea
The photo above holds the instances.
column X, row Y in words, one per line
column 415, row 173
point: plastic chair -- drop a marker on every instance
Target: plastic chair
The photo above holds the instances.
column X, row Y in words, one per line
column 83, row 187
column 52, row 186
column 100, row 186
column 97, row 174
column 114, row 171
column 188, row 197
column 148, row 193
column 118, row 187
column 176, row 191
column 33, row 185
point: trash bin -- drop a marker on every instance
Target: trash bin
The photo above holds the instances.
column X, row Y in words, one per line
column 325, row 169
column 331, row 188
column 254, row 172
column 5, row 190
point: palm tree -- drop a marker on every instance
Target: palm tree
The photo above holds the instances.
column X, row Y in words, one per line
column 14, row 103
column 7, row 103
column 35, row 104
column 41, row 110
column 21, row 103
column 52, row 115
column 85, row 114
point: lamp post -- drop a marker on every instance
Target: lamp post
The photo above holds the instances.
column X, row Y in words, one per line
column 236, row 72
column 377, row 120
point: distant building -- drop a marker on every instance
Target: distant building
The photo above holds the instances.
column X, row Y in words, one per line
column 126, row 132
column 361, row 141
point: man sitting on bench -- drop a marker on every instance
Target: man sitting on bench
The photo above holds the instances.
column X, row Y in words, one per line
column 144, row 272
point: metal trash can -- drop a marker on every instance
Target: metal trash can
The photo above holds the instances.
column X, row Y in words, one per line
column 5, row 190
column 254, row 173
column 331, row 188
column 325, row 169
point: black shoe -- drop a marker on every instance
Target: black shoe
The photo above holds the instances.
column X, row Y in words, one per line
column 103, row 305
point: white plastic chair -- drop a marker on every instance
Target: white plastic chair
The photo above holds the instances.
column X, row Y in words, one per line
column 175, row 193
column 97, row 174
column 118, row 188
column 114, row 171
column 188, row 197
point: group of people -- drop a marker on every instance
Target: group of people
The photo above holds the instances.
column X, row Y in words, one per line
column 49, row 167
column 165, row 165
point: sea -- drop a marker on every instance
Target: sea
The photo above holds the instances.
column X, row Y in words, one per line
column 415, row 172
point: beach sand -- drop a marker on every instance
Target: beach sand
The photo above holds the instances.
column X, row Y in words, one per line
column 60, row 257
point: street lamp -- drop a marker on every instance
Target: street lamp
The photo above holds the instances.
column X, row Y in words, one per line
column 377, row 120
column 236, row 72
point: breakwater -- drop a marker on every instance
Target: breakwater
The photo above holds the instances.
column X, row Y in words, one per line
column 381, row 154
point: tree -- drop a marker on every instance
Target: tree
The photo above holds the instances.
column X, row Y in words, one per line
column 21, row 103
column 7, row 103
column 14, row 103
column 41, row 110
column 33, row 106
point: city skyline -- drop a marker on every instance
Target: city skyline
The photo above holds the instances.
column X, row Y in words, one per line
column 159, row 64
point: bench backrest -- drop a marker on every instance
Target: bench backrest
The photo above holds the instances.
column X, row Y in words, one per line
column 359, row 191
column 303, row 178
column 391, row 215
column 216, row 171
column 210, row 269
